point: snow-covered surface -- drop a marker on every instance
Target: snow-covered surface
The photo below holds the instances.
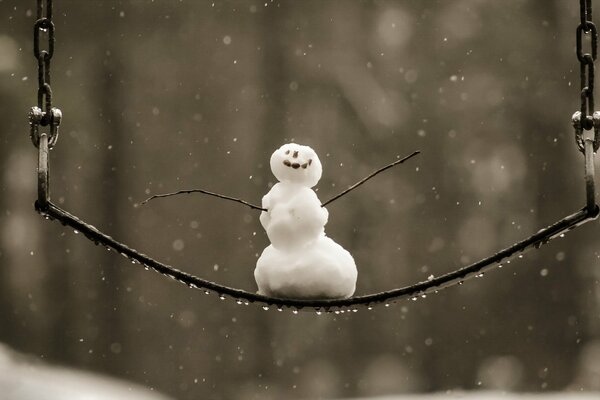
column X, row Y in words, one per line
column 301, row 261
column 24, row 378
column 485, row 395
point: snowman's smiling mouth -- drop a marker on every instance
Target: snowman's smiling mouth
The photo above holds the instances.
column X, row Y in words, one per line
column 296, row 165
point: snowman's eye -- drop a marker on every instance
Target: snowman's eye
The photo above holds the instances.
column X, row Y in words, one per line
column 295, row 155
column 309, row 161
column 287, row 152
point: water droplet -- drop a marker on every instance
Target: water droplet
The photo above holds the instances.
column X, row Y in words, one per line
column 75, row 231
column 318, row 312
column 266, row 308
column 178, row 244
column 238, row 301
column 499, row 265
column 460, row 282
column 221, row 297
column 387, row 304
column 337, row 311
column 520, row 255
column 294, row 311
column 479, row 275
column 562, row 235
column 279, row 308
column 355, row 310
column 414, row 298
column 423, row 296
column 146, row 267
column 369, row 308
column 207, row 292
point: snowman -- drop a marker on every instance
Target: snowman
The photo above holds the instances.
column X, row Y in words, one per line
column 301, row 262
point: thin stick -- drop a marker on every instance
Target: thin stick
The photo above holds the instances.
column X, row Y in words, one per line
column 205, row 192
column 221, row 196
column 357, row 184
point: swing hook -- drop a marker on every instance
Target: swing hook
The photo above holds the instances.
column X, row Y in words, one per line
column 38, row 118
column 588, row 144
column 579, row 128
column 44, row 142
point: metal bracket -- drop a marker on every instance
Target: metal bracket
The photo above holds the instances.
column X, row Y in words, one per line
column 44, row 142
column 43, row 173
column 38, row 118
column 587, row 142
column 590, row 189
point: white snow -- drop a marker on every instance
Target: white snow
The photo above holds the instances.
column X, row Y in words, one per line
column 295, row 163
column 490, row 395
column 295, row 216
column 26, row 378
column 301, row 262
column 321, row 270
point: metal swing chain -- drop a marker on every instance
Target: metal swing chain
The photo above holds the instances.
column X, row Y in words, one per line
column 44, row 114
column 582, row 120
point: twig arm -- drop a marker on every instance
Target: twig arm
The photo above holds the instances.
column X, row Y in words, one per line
column 357, row 184
column 221, row 196
column 255, row 207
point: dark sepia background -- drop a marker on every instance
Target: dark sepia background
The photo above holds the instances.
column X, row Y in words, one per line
column 164, row 95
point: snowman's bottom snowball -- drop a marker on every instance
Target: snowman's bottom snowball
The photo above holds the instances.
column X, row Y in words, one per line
column 321, row 270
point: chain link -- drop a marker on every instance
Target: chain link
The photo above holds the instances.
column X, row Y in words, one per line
column 586, row 118
column 44, row 114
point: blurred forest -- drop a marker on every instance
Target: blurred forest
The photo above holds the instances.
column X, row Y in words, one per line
column 162, row 95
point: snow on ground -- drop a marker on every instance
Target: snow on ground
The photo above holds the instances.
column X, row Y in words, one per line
column 24, row 378
column 483, row 395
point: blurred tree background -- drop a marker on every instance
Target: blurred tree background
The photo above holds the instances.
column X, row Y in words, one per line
column 161, row 95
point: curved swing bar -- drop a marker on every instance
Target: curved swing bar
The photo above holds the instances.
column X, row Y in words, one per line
column 420, row 289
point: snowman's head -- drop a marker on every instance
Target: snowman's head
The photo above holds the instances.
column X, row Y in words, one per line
column 296, row 163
